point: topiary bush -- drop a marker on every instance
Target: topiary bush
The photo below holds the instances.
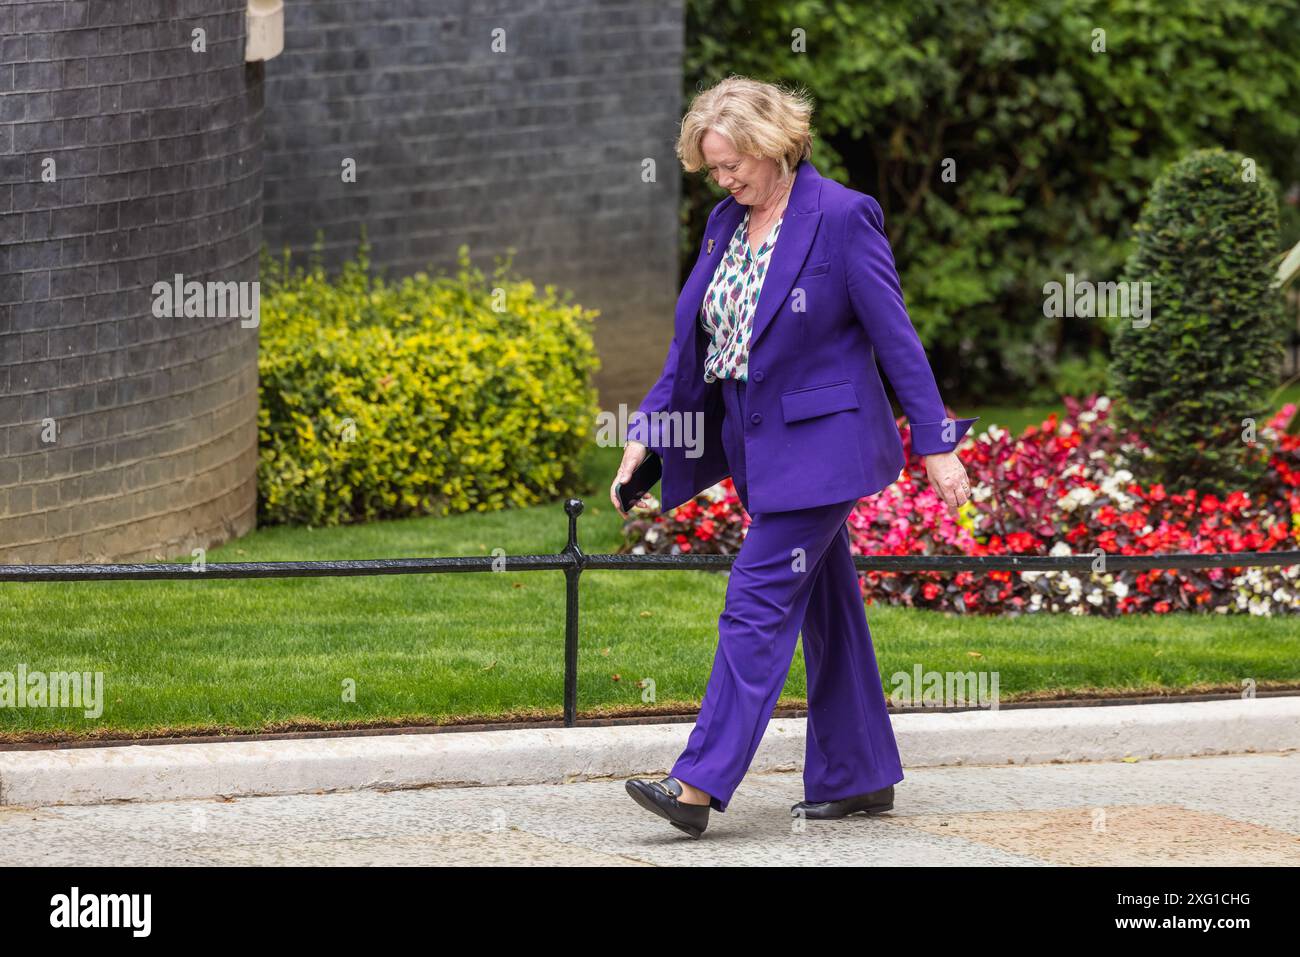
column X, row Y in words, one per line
column 420, row 396
column 1200, row 372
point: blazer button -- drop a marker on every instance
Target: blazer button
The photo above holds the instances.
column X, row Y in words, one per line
column 757, row 376
column 756, row 418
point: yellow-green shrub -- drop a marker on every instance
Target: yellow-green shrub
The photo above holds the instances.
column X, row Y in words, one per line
column 386, row 399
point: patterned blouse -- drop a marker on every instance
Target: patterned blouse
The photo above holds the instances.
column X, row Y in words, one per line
column 728, row 307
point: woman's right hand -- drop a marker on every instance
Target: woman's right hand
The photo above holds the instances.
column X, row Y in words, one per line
column 633, row 455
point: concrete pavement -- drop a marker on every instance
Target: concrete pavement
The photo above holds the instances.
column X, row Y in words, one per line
column 1224, row 810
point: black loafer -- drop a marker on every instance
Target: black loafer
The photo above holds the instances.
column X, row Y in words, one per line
column 661, row 797
column 872, row 802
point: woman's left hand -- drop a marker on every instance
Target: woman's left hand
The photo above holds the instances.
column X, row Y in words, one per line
column 948, row 478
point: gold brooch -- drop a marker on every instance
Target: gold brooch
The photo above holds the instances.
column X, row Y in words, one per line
column 710, row 246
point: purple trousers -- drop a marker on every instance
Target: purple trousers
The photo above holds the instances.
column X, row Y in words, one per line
column 794, row 572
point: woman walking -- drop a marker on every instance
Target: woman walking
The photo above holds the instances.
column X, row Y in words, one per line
column 793, row 299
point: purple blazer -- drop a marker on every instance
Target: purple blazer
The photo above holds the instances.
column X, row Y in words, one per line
column 820, row 429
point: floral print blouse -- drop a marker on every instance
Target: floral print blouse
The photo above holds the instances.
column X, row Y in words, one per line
column 728, row 306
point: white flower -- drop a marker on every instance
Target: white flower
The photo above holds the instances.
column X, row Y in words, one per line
column 1102, row 403
column 1120, row 590
column 715, row 493
column 1060, row 548
column 1082, row 495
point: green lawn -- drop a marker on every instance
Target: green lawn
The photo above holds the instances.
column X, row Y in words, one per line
column 271, row 655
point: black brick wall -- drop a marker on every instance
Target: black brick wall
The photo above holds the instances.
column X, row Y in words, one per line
column 158, row 161
column 539, row 147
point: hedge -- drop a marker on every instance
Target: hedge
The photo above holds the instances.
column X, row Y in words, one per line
column 422, row 396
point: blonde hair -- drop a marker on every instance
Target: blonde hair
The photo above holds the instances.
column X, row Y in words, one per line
column 760, row 119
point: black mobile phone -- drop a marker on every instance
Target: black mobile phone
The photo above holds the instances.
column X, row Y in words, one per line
column 642, row 480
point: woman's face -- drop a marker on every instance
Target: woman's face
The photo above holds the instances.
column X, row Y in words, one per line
column 752, row 181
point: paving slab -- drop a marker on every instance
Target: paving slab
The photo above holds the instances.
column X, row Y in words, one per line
column 1224, row 810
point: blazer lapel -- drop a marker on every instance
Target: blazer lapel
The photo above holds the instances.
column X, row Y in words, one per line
column 697, row 283
column 802, row 216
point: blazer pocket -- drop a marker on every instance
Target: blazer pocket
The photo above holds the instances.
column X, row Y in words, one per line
column 818, row 400
column 816, row 269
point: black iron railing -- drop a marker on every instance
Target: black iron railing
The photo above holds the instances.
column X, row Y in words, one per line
column 573, row 561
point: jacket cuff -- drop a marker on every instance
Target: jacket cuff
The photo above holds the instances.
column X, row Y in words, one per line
column 931, row 438
column 638, row 430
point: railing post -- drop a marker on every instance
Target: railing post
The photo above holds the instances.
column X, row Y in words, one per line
column 572, row 574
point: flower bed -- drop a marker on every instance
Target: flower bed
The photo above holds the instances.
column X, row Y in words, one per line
column 1057, row 489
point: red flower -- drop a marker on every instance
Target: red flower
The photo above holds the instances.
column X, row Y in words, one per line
column 1134, row 521
column 1021, row 542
